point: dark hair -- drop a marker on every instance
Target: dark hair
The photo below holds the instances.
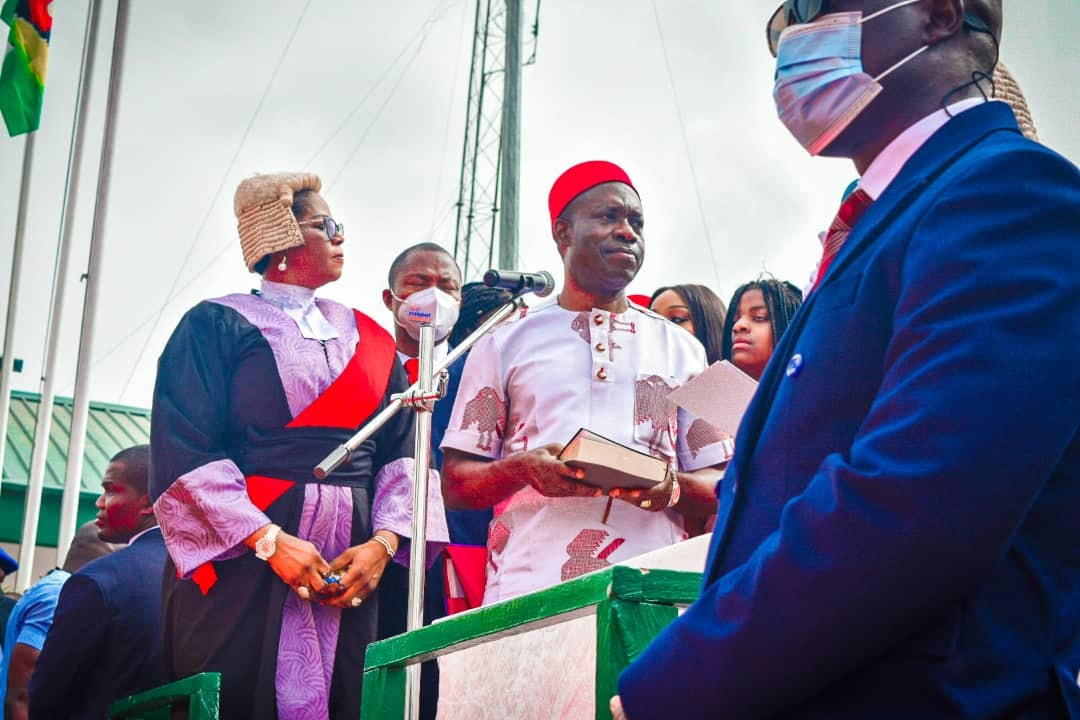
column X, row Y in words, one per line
column 85, row 546
column 300, row 203
column 477, row 301
column 707, row 312
column 136, row 462
column 395, row 267
column 782, row 299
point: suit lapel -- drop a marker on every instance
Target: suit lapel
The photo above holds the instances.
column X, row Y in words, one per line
column 932, row 159
column 936, row 155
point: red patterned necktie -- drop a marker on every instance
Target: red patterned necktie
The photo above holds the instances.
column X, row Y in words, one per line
column 412, row 369
column 851, row 210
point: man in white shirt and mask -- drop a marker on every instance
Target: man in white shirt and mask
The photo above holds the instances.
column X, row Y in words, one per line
column 424, row 287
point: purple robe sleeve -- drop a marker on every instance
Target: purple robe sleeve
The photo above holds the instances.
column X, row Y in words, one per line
column 201, row 499
column 393, row 508
column 206, row 514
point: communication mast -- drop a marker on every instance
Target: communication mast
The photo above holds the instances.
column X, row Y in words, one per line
column 490, row 151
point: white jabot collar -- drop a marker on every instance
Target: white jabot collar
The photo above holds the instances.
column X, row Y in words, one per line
column 299, row 304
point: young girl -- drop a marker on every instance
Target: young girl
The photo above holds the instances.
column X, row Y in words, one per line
column 758, row 314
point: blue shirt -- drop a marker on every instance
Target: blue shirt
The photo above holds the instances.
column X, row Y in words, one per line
column 30, row 620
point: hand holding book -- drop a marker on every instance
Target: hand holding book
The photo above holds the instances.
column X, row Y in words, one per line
column 543, row 470
column 638, row 478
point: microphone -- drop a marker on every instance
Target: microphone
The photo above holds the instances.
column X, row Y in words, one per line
column 541, row 283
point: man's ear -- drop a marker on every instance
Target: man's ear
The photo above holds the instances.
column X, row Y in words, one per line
column 145, row 506
column 388, row 299
column 562, row 232
column 945, row 19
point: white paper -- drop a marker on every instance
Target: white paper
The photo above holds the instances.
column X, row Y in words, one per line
column 719, row 396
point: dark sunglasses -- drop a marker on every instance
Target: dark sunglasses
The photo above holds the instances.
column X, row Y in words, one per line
column 332, row 227
column 792, row 12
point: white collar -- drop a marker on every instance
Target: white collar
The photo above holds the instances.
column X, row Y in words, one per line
column 299, row 304
column 887, row 165
column 138, row 535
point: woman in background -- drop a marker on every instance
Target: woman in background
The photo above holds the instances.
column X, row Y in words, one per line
column 696, row 309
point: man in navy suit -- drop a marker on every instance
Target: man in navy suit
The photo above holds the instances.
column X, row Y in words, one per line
column 897, row 534
column 105, row 641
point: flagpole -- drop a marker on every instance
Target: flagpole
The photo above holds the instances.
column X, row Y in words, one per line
column 74, row 167
column 7, row 366
column 81, row 403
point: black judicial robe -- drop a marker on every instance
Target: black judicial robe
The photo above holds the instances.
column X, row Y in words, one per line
column 219, row 395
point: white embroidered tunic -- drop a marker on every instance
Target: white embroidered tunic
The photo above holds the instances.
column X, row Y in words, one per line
column 536, row 380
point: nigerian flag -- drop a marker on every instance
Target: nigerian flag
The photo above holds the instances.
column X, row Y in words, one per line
column 22, row 78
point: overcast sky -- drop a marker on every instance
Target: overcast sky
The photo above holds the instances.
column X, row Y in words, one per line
column 371, row 95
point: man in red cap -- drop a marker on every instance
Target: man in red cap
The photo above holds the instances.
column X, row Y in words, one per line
column 585, row 359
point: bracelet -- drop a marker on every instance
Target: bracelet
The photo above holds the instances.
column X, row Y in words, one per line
column 676, row 492
column 385, row 543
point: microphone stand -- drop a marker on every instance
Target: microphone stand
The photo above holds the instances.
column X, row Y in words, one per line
column 420, row 397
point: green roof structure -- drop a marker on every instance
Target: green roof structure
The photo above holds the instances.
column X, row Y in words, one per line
column 109, row 429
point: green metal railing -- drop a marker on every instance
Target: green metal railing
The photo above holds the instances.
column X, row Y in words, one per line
column 631, row 606
column 200, row 694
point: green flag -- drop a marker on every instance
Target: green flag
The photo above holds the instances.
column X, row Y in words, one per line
column 22, row 78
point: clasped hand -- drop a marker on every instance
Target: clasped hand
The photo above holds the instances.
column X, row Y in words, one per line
column 300, row 565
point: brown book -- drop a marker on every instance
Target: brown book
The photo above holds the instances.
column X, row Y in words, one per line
column 608, row 464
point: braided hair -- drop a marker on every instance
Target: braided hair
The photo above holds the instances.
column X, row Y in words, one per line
column 782, row 299
column 477, row 302
column 707, row 312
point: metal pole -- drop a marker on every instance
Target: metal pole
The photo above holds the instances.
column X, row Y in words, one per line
column 341, row 453
column 48, row 391
column 81, row 403
column 509, row 162
column 8, row 364
column 418, row 541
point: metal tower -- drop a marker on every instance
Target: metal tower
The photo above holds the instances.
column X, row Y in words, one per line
column 496, row 40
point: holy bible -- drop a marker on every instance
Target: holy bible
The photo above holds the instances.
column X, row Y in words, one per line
column 608, row 464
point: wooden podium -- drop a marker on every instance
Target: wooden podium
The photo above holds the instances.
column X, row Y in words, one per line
column 554, row 653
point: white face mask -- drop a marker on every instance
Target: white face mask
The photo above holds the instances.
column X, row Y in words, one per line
column 430, row 306
column 820, row 84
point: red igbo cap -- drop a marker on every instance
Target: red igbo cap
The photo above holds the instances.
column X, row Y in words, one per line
column 582, row 177
column 642, row 300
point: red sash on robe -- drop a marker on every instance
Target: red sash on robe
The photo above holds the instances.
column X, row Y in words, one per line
column 349, row 401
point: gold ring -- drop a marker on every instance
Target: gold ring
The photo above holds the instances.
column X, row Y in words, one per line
column 355, row 602
column 646, row 504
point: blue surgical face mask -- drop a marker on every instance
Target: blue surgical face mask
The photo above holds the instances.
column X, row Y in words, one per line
column 820, row 84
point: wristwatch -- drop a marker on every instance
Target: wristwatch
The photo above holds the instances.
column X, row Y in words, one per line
column 267, row 544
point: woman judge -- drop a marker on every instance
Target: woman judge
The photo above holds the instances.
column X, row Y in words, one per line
column 271, row 574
